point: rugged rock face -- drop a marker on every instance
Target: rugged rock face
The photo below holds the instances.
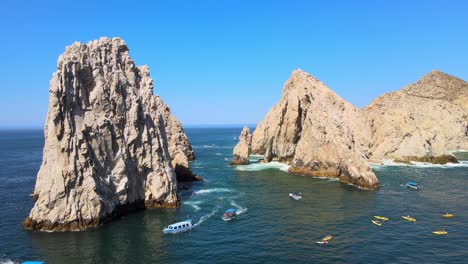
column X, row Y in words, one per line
column 242, row 150
column 180, row 150
column 106, row 147
column 423, row 121
column 317, row 132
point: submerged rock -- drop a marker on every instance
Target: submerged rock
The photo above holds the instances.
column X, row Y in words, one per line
column 241, row 152
column 106, row 145
column 424, row 121
column 317, row 133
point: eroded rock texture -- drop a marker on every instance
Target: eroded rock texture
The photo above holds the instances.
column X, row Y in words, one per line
column 106, row 146
column 242, row 150
column 317, row 132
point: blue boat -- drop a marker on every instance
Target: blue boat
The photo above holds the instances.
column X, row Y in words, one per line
column 412, row 185
column 229, row 214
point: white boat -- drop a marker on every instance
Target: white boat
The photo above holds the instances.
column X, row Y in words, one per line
column 295, row 196
column 178, row 227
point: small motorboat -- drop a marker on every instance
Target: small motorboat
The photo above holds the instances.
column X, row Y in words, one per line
column 409, row 218
column 324, row 240
column 178, row 227
column 380, row 218
column 295, row 196
column 440, row 232
column 412, row 185
column 229, row 214
column 377, row 223
column 448, row 215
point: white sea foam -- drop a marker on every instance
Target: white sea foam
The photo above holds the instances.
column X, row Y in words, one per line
column 7, row 261
column 218, row 154
column 206, row 217
column 218, row 190
column 194, row 204
column 212, row 146
column 386, row 163
column 240, row 209
column 263, row 166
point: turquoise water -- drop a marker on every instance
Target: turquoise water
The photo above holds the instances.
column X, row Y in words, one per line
column 271, row 228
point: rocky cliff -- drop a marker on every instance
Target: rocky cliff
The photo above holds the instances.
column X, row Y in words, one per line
column 106, row 145
column 317, row 132
column 242, row 150
column 424, row 121
column 320, row 134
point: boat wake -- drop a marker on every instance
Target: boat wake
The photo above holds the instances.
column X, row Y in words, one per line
column 240, row 209
column 206, row 217
column 214, row 190
column 194, row 205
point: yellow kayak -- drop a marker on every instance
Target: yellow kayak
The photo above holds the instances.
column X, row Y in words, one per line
column 439, row 232
column 380, row 217
column 377, row 223
column 448, row 215
column 409, row 218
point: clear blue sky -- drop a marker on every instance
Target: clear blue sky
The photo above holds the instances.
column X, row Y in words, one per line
column 225, row 62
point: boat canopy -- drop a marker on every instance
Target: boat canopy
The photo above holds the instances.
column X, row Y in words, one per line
column 412, row 183
column 230, row 211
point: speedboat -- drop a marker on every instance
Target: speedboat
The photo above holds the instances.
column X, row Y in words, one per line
column 376, row 222
column 178, row 227
column 409, row 218
column 439, row 232
column 295, row 196
column 229, row 214
column 380, row 217
column 412, row 185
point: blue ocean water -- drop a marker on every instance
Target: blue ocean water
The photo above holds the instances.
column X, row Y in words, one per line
column 271, row 227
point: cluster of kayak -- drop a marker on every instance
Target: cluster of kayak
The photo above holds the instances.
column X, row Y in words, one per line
column 380, row 219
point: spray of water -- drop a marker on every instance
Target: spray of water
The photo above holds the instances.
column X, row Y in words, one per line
column 240, row 209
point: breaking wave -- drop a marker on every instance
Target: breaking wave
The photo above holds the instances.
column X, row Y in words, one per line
column 263, row 166
column 8, row 261
column 415, row 164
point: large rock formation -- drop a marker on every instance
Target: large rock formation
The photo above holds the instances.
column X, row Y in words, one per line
column 320, row 134
column 422, row 122
column 317, row 132
column 180, row 150
column 242, row 150
column 106, row 147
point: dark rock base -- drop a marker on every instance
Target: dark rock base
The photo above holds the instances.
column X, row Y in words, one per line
column 443, row 159
column 85, row 224
column 330, row 173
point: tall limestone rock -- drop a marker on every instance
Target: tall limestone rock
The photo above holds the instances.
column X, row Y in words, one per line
column 242, row 149
column 317, row 132
column 106, row 145
column 422, row 122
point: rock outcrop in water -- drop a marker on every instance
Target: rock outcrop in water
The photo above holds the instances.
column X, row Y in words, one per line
column 424, row 121
column 242, row 150
column 106, row 146
column 320, row 134
column 317, row 132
